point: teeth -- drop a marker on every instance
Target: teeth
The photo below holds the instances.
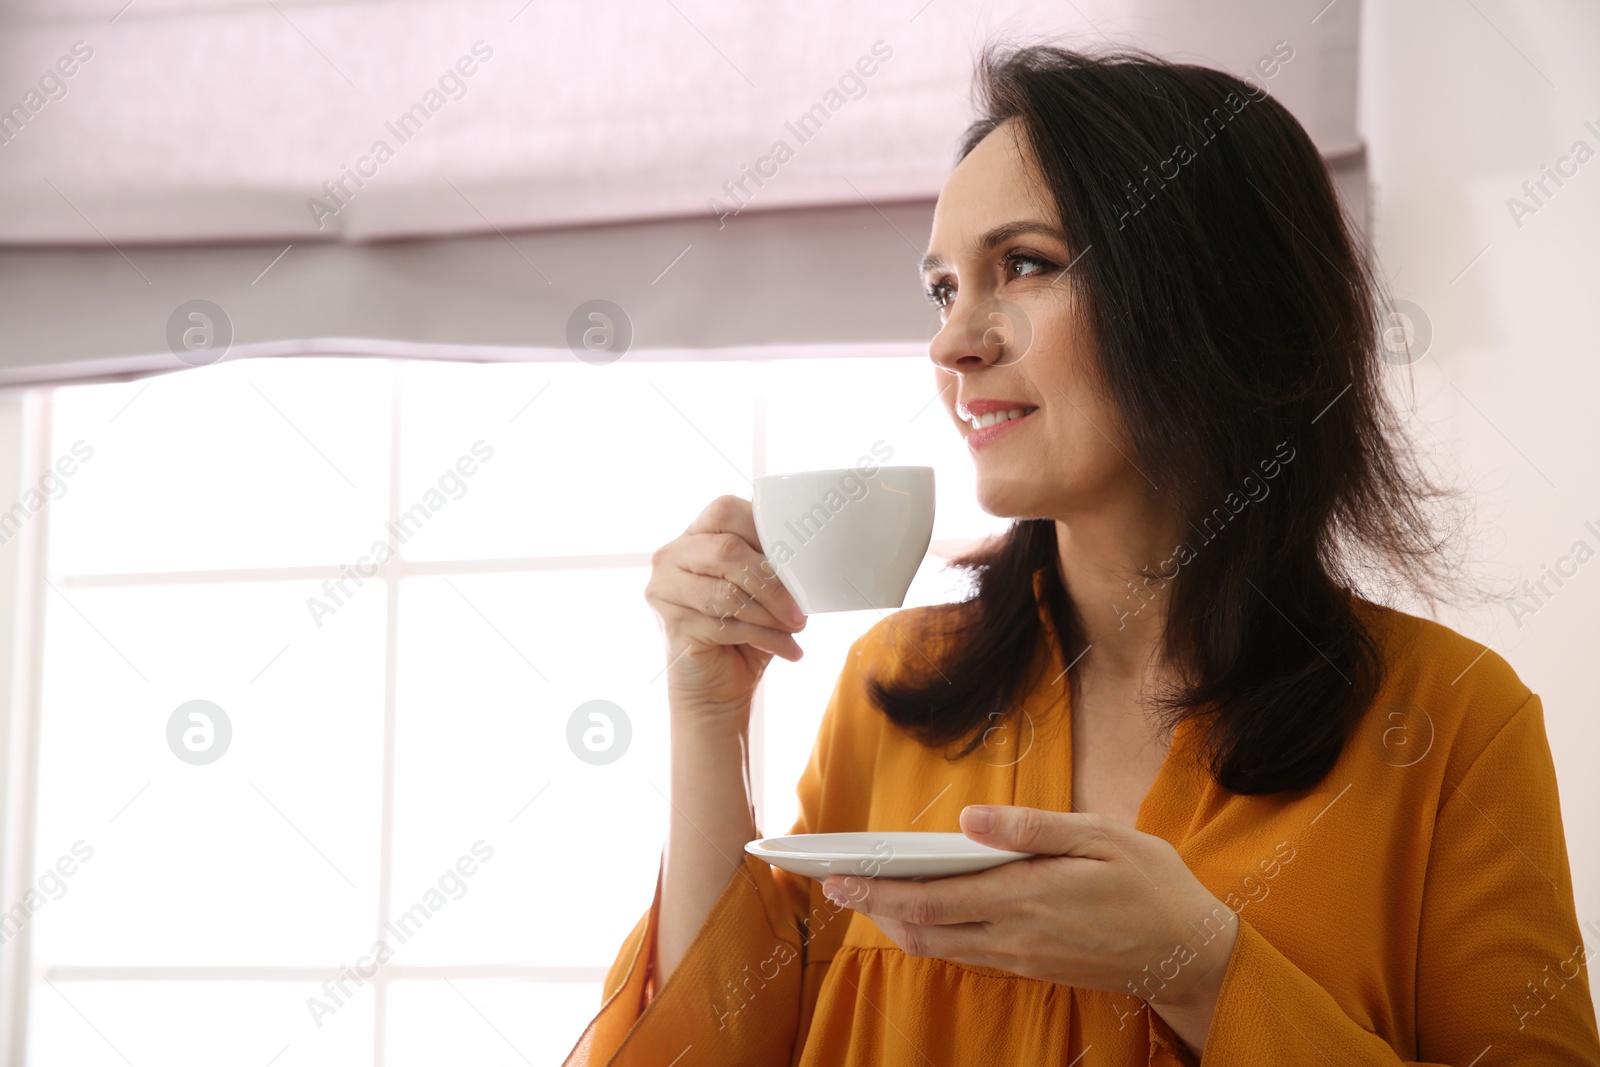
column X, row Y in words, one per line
column 985, row 421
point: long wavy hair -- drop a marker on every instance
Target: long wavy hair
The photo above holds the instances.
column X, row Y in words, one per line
column 1237, row 320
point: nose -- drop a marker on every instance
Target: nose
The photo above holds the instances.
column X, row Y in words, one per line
column 978, row 333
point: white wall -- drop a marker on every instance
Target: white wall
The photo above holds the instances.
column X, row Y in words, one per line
column 11, row 475
column 19, row 620
column 1460, row 104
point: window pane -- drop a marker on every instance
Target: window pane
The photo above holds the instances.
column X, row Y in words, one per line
column 487, row 1023
column 254, row 463
column 605, row 459
column 794, row 696
column 814, row 421
column 512, row 842
column 267, row 855
column 176, row 1024
column 480, row 733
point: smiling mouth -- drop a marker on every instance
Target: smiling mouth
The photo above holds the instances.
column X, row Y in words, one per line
column 994, row 418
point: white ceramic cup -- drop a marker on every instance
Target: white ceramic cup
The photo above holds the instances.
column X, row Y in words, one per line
column 846, row 538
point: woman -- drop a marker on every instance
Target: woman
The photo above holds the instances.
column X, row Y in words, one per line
column 1273, row 822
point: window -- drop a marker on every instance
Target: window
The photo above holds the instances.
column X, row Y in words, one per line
column 394, row 765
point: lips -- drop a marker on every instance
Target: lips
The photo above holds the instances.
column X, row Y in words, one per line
column 992, row 419
column 992, row 410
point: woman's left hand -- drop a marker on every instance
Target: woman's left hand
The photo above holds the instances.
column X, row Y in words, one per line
column 1100, row 906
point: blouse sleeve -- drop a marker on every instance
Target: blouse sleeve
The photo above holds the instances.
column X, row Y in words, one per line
column 736, row 994
column 1500, row 960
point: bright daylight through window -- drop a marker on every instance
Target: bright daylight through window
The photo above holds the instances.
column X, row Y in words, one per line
column 309, row 669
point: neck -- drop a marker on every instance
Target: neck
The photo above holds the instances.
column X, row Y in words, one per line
column 1112, row 561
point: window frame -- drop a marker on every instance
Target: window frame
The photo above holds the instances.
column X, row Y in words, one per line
column 34, row 574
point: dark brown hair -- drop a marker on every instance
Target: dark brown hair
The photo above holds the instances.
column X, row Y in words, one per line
column 1236, row 316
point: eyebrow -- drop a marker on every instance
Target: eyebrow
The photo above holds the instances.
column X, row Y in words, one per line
column 996, row 236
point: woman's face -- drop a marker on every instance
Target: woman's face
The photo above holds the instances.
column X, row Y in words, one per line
column 1015, row 336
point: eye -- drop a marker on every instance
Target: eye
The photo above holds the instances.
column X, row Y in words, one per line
column 1016, row 265
column 1017, row 259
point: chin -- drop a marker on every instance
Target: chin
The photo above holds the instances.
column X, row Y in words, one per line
column 1009, row 499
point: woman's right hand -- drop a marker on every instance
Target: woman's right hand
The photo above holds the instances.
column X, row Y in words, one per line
column 723, row 610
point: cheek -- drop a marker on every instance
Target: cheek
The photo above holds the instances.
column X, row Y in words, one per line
column 1081, row 436
column 1083, row 426
column 1083, row 432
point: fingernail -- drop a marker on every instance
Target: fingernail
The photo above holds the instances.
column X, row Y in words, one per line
column 833, row 893
column 978, row 819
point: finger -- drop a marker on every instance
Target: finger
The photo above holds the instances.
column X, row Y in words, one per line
column 943, row 901
column 731, row 519
column 706, row 631
column 719, row 574
column 963, row 942
column 1043, row 833
column 719, row 598
column 727, row 514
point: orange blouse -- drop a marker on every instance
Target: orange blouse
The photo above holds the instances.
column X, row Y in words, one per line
column 1414, row 907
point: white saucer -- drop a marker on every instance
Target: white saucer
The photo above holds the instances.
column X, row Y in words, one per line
column 880, row 855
